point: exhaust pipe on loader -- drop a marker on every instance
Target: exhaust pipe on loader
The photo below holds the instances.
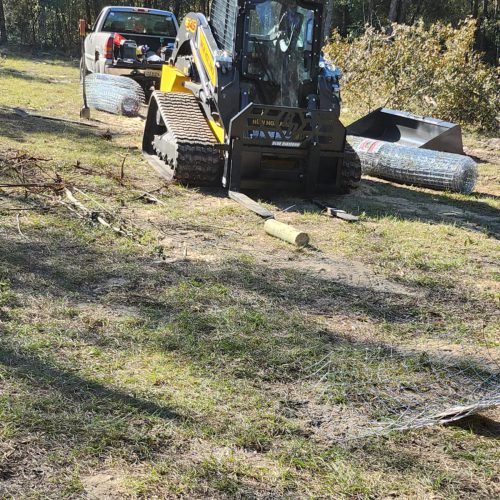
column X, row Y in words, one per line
column 410, row 149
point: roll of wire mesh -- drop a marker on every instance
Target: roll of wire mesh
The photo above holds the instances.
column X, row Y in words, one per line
column 414, row 166
column 114, row 94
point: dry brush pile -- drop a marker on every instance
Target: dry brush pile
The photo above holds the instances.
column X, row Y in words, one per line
column 431, row 71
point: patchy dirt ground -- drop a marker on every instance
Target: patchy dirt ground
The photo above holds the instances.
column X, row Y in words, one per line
column 182, row 352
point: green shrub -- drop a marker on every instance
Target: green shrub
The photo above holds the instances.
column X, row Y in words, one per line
column 433, row 72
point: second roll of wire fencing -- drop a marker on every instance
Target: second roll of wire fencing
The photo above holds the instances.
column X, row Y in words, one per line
column 415, row 166
column 114, row 94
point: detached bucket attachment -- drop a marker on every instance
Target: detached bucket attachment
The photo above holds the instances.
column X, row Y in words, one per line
column 406, row 129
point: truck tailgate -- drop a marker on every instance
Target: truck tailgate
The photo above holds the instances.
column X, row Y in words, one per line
column 147, row 70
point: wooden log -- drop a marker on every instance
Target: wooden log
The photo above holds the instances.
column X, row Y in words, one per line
column 286, row 233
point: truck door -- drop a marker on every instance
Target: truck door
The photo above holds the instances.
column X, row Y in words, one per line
column 91, row 43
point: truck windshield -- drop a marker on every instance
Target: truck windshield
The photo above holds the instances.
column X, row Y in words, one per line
column 140, row 23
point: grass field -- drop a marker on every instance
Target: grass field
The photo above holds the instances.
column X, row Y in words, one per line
column 187, row 354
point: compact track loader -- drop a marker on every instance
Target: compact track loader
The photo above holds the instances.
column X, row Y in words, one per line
column 248, row 101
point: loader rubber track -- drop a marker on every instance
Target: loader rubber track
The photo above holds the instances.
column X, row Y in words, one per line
column 197, row 160
column 351, row 170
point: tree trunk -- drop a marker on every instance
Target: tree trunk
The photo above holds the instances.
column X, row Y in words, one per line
column 475, row 8
column 96, row 8
column 482, row 35
column 3, row 29
column 177, row 8
column 393, row 11
column 403, row 9
column 88, row 11
column 397, row 11
column 328, row 17
column 370, row 12
column 42, row 25
column 418, row 11
column 345, row 20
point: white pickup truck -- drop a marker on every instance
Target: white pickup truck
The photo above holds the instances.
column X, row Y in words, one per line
column 130, row 41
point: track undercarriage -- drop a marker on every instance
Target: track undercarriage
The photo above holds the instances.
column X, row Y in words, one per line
column 181, row 145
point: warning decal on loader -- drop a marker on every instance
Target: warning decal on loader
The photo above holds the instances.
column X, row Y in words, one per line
column 207, row 58
column 191, row 24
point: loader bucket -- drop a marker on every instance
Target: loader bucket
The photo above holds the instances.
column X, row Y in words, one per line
column 406, row 129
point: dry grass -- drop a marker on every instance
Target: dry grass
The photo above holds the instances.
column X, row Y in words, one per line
column 183, row 360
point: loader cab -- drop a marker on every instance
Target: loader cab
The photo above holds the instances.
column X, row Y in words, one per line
column 280, row 51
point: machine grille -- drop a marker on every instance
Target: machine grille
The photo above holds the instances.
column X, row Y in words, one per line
column 223, row 21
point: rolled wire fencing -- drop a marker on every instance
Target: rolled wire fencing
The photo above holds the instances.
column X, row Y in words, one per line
column 415, row 166
column 114, row 94
column 376, row 390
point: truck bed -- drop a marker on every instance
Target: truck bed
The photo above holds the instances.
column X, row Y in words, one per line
column 103, row 55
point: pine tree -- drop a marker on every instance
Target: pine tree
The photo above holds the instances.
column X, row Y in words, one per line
column 3, row 28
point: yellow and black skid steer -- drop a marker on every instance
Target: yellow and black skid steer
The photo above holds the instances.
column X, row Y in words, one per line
column 247, row 101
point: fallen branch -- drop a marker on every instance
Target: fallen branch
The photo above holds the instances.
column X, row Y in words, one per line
column 150, row 199
column 122, row 169
column 108, row 174
column 94, row 201
column 34, row 209
column 85, row 213
column 19, row 226
column 32, row 185
column 75, row 202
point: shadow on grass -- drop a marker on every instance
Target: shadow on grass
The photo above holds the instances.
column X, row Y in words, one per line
column 64, row 142
column 486, row 196
column 27, row 53
column 64, row 267
column 24, row 75
column 415, row 205
column 234, row 312
column 480, row 425
column 381, row 199
column 231, row 321
column 72, row 386
column 21, row 128
column 53, row 417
